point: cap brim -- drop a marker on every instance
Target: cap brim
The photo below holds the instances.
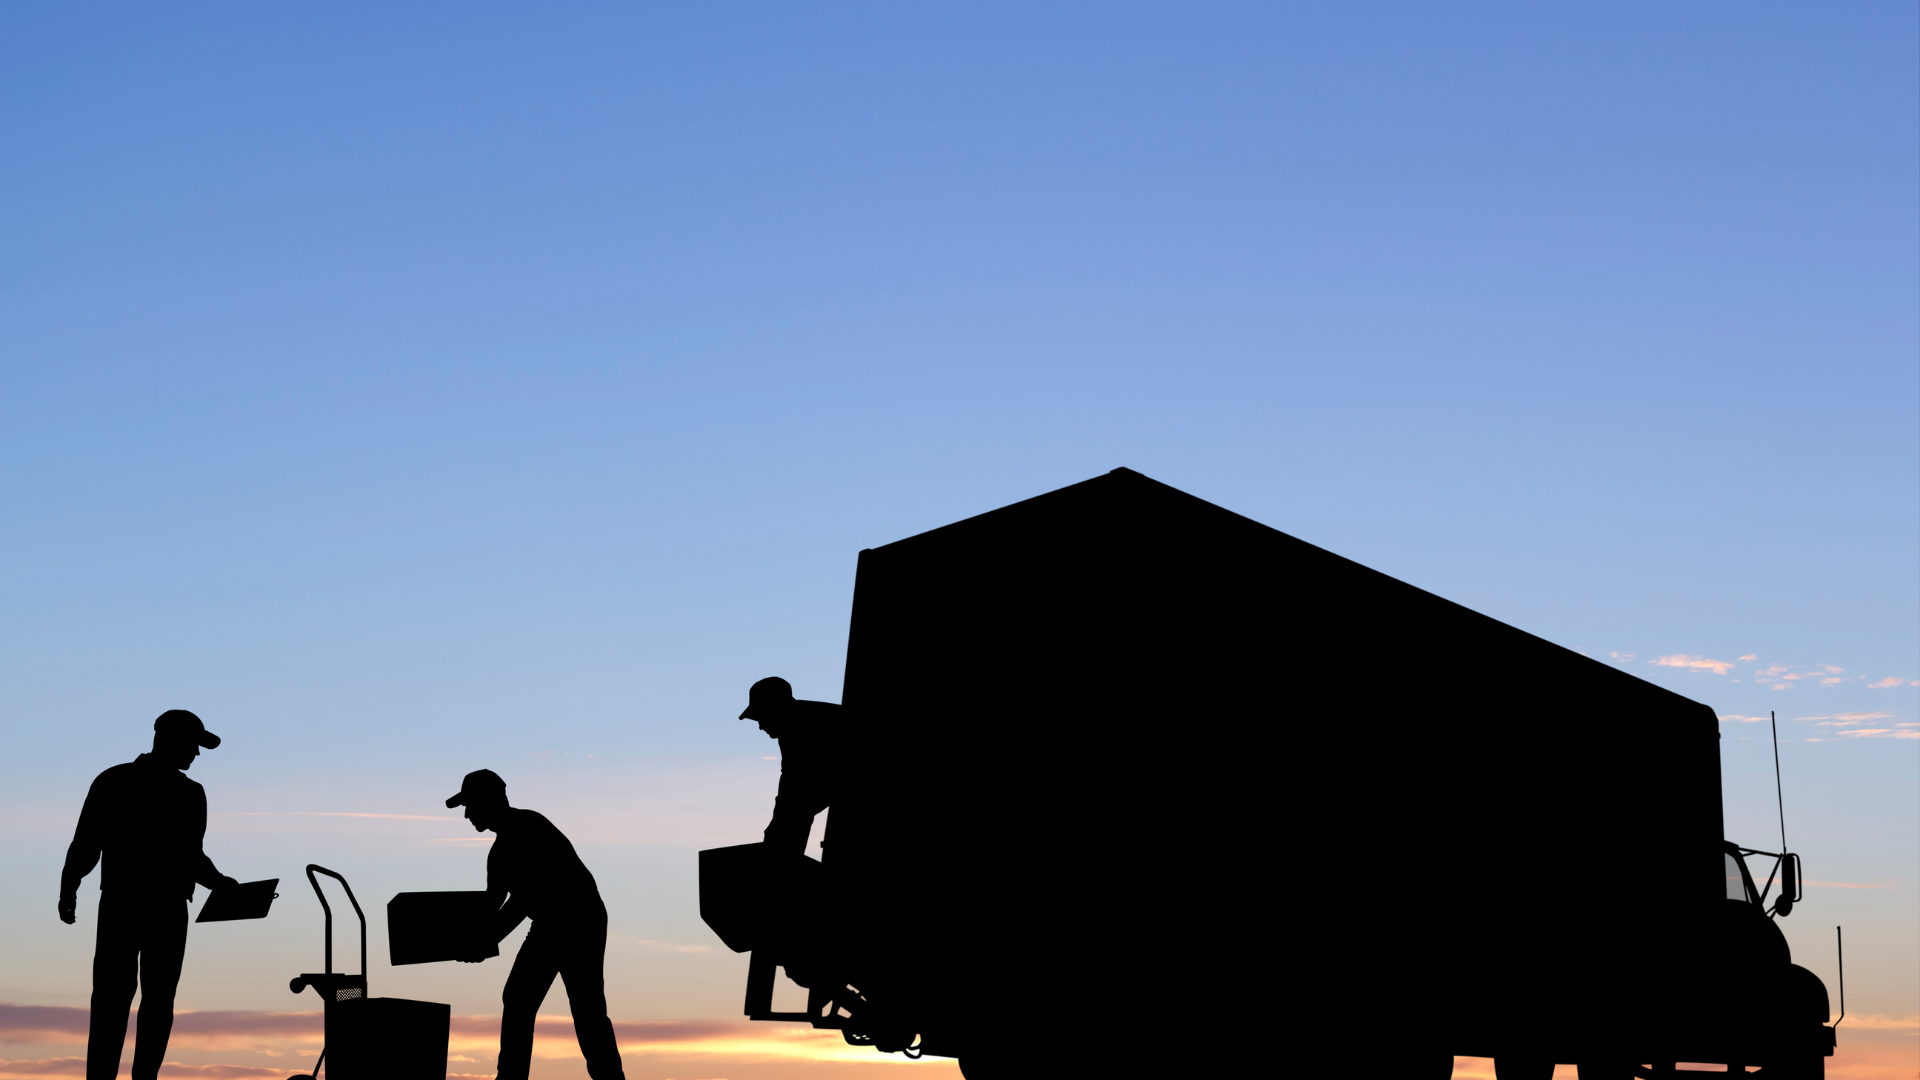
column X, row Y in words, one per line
column 456, row 800
column 744, row 712
column 207, row 739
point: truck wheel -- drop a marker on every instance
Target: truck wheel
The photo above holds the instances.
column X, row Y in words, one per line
column 1809, row 1067
column 1404, row 1063
column 989, row 1067
column 1522, row 1068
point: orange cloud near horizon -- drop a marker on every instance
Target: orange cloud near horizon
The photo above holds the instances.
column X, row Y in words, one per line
column 1881, row 1047
column 746, row 1040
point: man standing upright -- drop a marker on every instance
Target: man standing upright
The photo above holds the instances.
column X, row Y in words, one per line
column 811, row 758
column 143, row 823
column 535, row 871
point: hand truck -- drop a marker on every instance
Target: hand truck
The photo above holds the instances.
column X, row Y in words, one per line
column 370, row 1038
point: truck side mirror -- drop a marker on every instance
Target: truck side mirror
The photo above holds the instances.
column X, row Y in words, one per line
column 1789, row 885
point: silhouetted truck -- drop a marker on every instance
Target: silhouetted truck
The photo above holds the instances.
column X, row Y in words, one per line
column 1139, row 785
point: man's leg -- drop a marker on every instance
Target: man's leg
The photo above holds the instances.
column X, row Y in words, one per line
column 115, row 964
column 585, row 971
column 527, row 986
column 163, row 945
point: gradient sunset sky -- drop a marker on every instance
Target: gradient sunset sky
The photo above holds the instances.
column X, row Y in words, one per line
column 411, row 388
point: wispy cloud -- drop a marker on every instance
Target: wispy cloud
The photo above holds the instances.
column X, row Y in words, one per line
column 1778, row 675
column 629, row 943
column 61, row 1067
column 337, row 813
column 1696, row 663
column 1743, row 719
column 59, row 1025
column 1845, row 718
column 1825, row 673
column 1882, row 1022
column 46, row 1024
column 1848, row 725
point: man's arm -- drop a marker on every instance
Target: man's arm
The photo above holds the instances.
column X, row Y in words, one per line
column 514, row 910
column 84, row 853
column 510, row 908
column 809, row 765
column 801, row 797
column 204, row 871
column 206, row 874
column 502, row 872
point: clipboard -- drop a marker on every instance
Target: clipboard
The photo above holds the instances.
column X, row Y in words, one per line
column 427, row 927
column 247, row 900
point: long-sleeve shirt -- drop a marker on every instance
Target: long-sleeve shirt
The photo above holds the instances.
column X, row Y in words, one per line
column 143, row 823
column 535, row 871
column 811, row 758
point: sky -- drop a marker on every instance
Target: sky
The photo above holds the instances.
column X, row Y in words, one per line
column 411, row 388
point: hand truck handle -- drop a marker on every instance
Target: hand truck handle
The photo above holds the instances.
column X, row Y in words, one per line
column 313, row 868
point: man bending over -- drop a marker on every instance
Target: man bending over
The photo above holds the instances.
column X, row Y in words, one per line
column 534, row 870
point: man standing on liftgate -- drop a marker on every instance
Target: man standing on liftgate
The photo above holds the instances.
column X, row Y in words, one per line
column 143, row 823
column 809, row 733
column 534, row 869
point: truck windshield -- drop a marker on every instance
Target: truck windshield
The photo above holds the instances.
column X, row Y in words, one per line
column 1737, row 879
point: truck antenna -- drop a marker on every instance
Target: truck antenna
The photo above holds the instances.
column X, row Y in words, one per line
column 1781, row 799
column 1840, row 950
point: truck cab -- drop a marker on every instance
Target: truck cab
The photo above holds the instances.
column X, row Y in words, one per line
column 1772, row 1012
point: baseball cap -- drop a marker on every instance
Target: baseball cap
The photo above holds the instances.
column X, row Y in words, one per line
column 181, row 724
column 773, row 690
column 478, row 782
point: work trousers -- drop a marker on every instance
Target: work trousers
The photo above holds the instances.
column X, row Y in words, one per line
column 142, row 938
column 573, row 946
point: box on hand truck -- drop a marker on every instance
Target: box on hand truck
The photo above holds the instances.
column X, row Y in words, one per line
column 367, row 1037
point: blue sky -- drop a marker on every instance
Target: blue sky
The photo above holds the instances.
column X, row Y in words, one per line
column 412, row 388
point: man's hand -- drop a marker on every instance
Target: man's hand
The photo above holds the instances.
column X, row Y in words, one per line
column 473, row 958
column 67, row 904
column 226, row 882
